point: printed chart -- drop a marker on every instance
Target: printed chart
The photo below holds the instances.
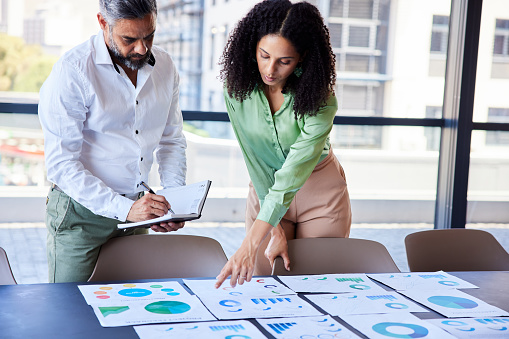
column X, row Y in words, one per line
column 187, row 308
column 364, row 303
column 240, row 329
column 454, row 303
column 475, row 327
column 306, row 327
column 258, row 307
column 261, row 287
column 425, row 281
column 114, row 293
column 401, row 325
column 330, row 283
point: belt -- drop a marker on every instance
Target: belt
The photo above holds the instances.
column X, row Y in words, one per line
column 55, row 187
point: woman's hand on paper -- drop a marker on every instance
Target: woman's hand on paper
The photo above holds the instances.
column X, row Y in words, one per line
column 150, row 206
column 278, row 247
column 240, row 266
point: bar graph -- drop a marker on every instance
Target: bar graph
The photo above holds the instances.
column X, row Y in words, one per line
column 235, row 328
column 279, row 328
column 378, row 297
column 492, row 321
column 355, row 280
column 266, row 301
column 432, row 276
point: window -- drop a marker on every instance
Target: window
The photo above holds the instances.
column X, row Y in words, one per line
column 499, row 138
column 358, row 36
column 335, row 31
column 432, row 135
column 500, row 65
column 438, row 45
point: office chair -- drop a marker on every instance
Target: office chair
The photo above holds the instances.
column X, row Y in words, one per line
column 6, row 276
column 158, row 256
column 335, row 255
column 456, row 249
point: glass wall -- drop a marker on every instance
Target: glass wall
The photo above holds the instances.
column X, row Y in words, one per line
column 488, row 186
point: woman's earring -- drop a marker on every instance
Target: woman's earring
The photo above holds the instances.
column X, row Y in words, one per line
column 298, row 71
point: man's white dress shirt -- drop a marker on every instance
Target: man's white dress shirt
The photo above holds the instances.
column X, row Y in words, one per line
column 100, row 131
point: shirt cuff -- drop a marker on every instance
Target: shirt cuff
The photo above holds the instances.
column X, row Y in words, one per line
column 271, row 212
column 121, row 207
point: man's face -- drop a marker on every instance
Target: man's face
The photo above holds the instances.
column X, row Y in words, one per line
column 130, row 40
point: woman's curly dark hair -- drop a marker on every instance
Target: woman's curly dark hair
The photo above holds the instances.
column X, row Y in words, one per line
column 303, row 26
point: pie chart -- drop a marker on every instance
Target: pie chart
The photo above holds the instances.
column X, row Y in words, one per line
column 452, row 302
column 168, row 307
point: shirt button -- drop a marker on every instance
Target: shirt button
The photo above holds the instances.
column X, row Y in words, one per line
column 136, row 102
column 141, row 158
column 136, row 131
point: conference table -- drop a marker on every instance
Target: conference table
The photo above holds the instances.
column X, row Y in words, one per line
column 60, row 311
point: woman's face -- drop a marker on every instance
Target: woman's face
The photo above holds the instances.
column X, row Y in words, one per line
column 277, row 59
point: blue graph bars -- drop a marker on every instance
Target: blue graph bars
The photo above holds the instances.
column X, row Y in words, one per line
column 279, row 328
column 235, row 328
column 385, row 296
column 271, row 300
column 430, row 276
column 356, row 280
column 492, row 321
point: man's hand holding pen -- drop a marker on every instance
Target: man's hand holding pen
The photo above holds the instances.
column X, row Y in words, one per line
column 151, row 206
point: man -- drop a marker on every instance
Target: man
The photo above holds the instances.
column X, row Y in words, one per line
column 107, row 105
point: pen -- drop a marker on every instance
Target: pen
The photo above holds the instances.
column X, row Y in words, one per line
column 151, row 191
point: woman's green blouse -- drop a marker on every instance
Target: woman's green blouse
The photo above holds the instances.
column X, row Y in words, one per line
column 280, row 152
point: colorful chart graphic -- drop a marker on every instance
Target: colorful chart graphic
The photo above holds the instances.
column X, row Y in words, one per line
column 106, row 311
column 360, row 287
column 453, row 302
column 449, row 283
column 235, row 328
column 400, row 330
column 267, row 301
column 135, row 292
column 356, row 280
column 492, row 321
column 130, row 291
column 385, row 296
column 397, row 306
column 168, row 307
column 281, row 327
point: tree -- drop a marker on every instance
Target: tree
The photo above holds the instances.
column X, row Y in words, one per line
column 22, row 67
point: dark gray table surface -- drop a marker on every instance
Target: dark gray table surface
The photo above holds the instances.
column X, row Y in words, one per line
column 60, row 311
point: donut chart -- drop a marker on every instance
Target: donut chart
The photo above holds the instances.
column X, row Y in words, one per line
column 400, row 330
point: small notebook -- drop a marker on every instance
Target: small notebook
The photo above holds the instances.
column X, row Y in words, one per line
column 186, row 201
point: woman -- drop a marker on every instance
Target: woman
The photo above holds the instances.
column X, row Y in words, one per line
column 279, row 75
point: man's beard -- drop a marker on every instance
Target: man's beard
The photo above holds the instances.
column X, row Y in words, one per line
column 128, row 59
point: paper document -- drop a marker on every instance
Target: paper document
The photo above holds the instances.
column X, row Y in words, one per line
column 439, row 280
column 475, row 327
column 186, row 201
column 257, row 287
column 331, row 283
column 454, row 303
column 306, row 327
column 210, row 330
column 364, row 303
column 241, row 307
column 395, row 325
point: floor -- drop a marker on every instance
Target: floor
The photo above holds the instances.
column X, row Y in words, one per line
column 25, row 243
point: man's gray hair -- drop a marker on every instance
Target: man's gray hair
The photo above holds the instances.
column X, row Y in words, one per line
column 114, row 10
